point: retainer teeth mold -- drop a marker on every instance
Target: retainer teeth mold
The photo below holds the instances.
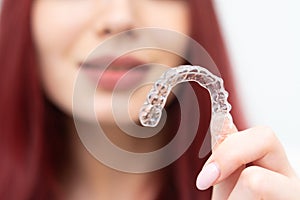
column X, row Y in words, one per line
column 151, row 111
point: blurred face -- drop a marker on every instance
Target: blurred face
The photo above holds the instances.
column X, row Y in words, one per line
column 66, row 33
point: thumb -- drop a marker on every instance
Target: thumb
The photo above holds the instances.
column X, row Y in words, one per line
column 221, row 126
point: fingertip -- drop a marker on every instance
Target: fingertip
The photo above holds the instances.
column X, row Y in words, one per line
column 208, row 175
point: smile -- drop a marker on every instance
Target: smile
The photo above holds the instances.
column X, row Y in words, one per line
column 112, row 73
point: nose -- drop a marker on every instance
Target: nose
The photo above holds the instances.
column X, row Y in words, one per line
column 117, row 16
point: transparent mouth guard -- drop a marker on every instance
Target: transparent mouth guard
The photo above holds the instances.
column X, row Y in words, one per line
column 151, row 111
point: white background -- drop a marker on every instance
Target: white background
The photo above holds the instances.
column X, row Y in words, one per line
column 263, row 38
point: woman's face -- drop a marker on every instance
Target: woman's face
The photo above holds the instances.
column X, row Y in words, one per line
column 65, row 33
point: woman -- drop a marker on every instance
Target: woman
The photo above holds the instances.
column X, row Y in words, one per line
column 41, row 45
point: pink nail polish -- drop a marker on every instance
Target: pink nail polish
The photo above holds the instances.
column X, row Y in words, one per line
column 207, row 176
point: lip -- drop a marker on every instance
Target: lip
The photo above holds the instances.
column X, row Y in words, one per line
column 107, row 71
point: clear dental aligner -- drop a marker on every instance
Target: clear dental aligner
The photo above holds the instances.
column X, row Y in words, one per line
column 150, row 112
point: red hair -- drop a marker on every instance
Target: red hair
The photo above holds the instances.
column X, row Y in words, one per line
column 27, row 120
column 30, row 126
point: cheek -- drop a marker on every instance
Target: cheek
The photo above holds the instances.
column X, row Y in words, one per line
column 170, row 15
column 166, row 14
column 57, row 25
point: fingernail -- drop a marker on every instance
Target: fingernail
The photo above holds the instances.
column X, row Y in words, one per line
column 207, row 176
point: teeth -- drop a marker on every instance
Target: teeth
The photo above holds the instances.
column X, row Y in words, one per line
column 112, row 68
column 88, row 65
column 117, row 68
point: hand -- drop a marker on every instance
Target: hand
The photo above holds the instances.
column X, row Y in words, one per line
column 250, row 164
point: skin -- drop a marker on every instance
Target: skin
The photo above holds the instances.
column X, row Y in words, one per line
column 65, row 40
column 65, row 32
column 268, row 174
